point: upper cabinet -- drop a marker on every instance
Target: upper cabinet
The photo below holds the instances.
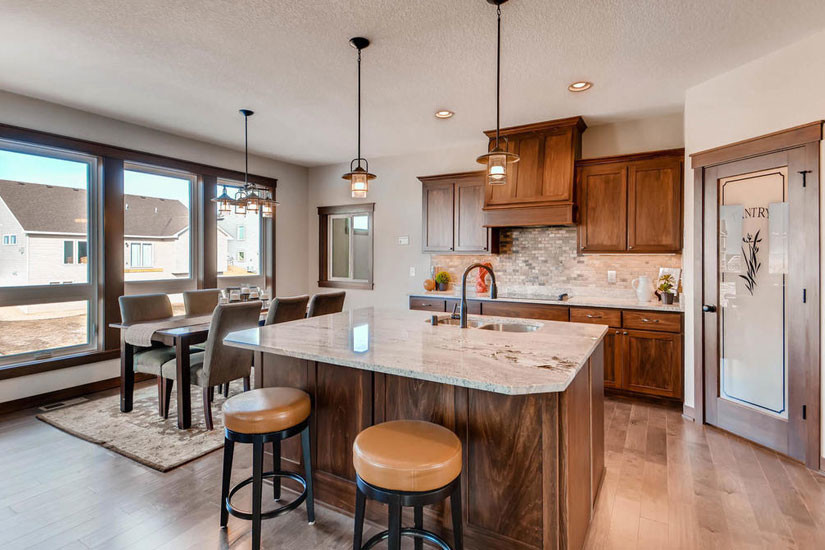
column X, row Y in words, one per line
column 452, row 215
column 540, row 186
column 631, row 203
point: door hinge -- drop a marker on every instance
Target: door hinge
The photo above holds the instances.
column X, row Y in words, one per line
column 804, row 177
column 804, row 412
column 804, row 295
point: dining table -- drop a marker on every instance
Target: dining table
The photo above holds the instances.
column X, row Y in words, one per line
column 181, row 337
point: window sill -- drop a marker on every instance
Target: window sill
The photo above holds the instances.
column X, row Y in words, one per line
column 346, row 284
column 55, row 363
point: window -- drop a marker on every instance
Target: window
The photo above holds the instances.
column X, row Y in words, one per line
column 346, row 249
column 241, row 244
column 157, row 227
column 48, row 196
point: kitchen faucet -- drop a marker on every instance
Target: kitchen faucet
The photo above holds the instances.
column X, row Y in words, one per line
column 493, row 292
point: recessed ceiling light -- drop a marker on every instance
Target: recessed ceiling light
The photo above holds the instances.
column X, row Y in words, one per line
column 580, row 86
column 444, row 113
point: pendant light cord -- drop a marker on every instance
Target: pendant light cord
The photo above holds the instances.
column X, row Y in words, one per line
column 246, row 150
column 498, row 75
column 359, row 107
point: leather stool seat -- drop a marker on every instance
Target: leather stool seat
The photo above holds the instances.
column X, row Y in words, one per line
column 266, row 410
column 407, row 455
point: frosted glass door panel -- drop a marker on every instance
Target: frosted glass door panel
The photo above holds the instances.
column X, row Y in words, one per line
column 753, row 271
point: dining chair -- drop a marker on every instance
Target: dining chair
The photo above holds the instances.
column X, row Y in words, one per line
column 326, row 303
column 218, row 363
column 141, row 308
column 200, row 302
column 283, row 310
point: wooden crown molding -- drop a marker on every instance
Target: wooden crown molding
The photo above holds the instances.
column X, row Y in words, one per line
column 455, row 175
column 545, row 126
column 775, row 141
column 647, row 155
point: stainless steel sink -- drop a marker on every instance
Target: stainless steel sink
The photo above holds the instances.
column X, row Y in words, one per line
column 455, row 322
column 510, row 327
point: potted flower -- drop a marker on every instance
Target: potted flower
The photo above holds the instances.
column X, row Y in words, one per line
column 441, row 280
column 666, row 285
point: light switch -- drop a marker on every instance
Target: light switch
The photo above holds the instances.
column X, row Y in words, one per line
column 611, row 276
column 412, row 271
column 404, row 240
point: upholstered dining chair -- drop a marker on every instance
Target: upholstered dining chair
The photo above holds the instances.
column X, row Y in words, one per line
column 141, row 308
column 200, row 302
column 326, row 303
column 219, row 364
column 283, row 310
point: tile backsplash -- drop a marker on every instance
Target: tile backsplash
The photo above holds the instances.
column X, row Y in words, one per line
column 544, row 260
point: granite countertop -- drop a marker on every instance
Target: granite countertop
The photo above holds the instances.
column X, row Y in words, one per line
column 404, row 343
column 582, row 301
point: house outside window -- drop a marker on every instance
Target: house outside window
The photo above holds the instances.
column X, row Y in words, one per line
column 140, row 255
column 9, row 239
column 241, row 232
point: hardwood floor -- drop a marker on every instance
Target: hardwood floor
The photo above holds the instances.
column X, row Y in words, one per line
column 669, row 484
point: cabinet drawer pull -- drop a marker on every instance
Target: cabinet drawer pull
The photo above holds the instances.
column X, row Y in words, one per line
column 590, row 316
column 425, row 305
column 646, row 320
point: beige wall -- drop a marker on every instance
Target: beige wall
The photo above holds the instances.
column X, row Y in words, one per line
column 291, row 257
column 777, row 91
column 397, row 196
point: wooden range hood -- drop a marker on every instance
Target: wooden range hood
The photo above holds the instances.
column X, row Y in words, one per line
column 540, row 187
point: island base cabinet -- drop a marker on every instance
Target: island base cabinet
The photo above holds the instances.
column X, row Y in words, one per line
column 532, row 463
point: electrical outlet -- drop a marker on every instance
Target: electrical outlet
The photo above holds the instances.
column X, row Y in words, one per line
column 611, row 276
column 412, row 271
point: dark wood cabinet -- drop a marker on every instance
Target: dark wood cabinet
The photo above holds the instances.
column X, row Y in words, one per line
column 613, row 359
column 437, row 216
column 540, row 186
column 452, row 216
column 631, row 203
column 546, row 312
column 603, row 208
column 654, row 206
column 652, row 363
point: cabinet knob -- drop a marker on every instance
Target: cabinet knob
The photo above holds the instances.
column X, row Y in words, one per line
column 625, row 333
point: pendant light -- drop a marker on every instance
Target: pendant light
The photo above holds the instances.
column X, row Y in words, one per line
column 498, row 158
column 249, row 198
column 359, row 169
column 224, row 202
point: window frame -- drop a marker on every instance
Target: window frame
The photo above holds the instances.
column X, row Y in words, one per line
column 31, row 295
column 174, row 285
column 10, row 239
column 325, row 215
column 259, row 279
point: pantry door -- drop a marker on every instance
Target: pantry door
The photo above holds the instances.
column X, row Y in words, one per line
column 761, row 295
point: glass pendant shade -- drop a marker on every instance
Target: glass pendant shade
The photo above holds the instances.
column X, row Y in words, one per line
column 240, row 203
column 496, row 162
column 253, row 201
column 267, row 209
column 359, row 186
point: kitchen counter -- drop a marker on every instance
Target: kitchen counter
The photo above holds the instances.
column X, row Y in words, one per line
column 528, row 408
column 404, row 343
column 580, row 301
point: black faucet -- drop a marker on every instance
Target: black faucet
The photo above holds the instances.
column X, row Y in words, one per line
column 493, row 292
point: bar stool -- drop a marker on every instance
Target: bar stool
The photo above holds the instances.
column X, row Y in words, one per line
column 407, row 463
column 258, row 417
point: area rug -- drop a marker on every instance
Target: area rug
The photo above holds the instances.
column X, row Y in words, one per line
column 142, row 434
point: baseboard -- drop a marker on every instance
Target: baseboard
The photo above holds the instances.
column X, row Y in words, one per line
column 689, row 413
column 65, row 393
column 633, row 396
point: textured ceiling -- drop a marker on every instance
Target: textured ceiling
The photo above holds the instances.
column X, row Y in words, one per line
column 186, row 66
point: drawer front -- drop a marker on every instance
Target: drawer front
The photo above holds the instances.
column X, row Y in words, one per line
column 598, row 316
column 428, row 304
column 544, row 312
column 473, row 306
column 652, row 320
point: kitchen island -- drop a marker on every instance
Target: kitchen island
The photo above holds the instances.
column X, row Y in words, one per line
column 525, row 397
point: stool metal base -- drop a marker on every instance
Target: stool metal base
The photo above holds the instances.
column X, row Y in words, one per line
column 258, row 475
column 274, row 513
column 396, row 501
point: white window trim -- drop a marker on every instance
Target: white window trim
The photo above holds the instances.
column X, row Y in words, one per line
column 351, row 257
column 140, row 245
column 71, row 292
column 10, row 239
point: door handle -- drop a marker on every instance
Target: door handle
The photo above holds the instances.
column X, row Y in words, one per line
column 708, row 308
